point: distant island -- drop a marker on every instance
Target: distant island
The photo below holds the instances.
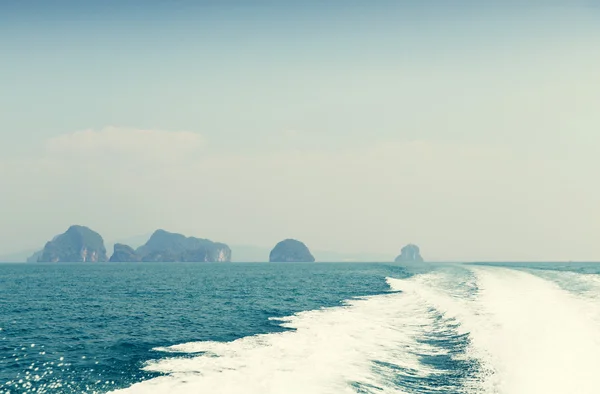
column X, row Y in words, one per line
column 77, row 244
column 124, row 253
column 164, row 246
column 291, row 250
column 409, row 253
column 81, row 244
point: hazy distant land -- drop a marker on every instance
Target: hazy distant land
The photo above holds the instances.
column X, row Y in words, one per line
column 137, row 248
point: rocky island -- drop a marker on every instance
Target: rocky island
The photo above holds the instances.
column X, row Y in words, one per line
column 124, row 254
column 409, row 253
column 164, row 246
column 77, row 244
column 291, row 250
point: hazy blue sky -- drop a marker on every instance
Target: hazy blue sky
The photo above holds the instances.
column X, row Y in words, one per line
column 472, row 130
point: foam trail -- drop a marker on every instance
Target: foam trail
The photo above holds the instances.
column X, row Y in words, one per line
column 546, row 339
column 583, row 285
column 533, row 336
column 331, row 351
column 526, row 335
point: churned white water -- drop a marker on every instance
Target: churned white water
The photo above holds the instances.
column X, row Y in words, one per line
column 544, row 339
column 329, row 349
column 533, row 335
column 465, row 330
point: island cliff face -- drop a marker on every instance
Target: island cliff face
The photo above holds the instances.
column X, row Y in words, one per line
column 291, row 250
column 77, row 244
column 409, row 253
column 124, row 253
column 164, row 246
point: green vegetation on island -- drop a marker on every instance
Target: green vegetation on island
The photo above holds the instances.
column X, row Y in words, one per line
column 124, row 254
column 291, row 250
column 77, row 244
column 164, row 246
column 409, row 253
column 80, row 244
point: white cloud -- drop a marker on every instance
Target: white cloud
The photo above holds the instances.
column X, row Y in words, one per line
column 115, row 141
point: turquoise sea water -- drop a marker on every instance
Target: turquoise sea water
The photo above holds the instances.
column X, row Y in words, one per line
column 299, row 328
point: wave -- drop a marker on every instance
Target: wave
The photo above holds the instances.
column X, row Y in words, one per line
column 583, row 285
column 459, row 330
column 532, row 335
column 372, row 344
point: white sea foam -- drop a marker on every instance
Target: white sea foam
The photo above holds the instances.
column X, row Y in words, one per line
column 546, row 340
column 583, row 285
column 329, row 350
column 533, row 335
column 528, row 334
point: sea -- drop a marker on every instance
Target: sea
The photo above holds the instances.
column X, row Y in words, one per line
column 294, row 328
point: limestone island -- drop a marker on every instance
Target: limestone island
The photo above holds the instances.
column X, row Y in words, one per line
column 291, row 250
column 409, row 253
column 77, row 244
column 124, row 253
column 164, row 246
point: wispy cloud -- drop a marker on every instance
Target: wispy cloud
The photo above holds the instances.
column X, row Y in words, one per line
column 111, row 142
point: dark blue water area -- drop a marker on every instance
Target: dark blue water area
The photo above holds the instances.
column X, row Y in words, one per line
column 90, row 327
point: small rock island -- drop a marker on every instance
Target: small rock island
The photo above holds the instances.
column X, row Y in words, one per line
column 291, row 250
column 409, row 253
column 124, row 254
column 77, row 244
column 164, row 246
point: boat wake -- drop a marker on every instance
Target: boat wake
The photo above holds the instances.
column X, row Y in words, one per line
column 456, row 330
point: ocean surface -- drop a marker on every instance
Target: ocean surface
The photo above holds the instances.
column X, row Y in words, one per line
column 300, row 328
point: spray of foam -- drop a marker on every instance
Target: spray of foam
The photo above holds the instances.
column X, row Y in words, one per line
column 330, row 351
column 546, row 338
column 528, row 334
column 454, row 294
column 532, row 334
column 583, row 285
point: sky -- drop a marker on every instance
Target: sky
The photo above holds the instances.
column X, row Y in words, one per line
column 470, row 129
